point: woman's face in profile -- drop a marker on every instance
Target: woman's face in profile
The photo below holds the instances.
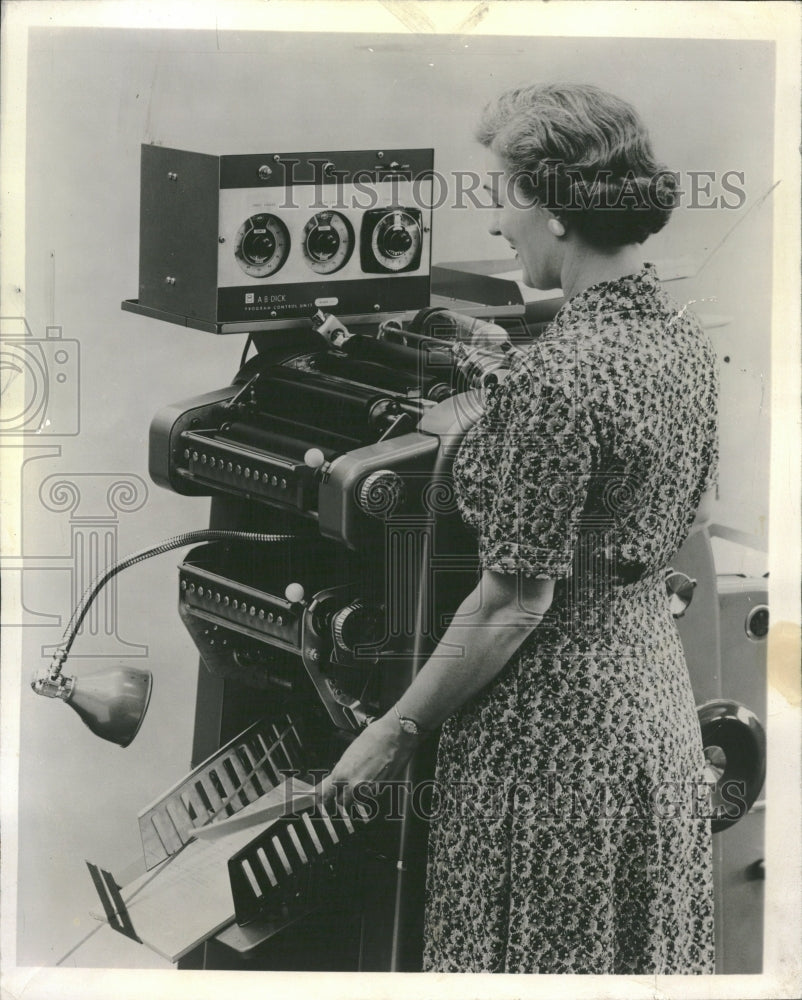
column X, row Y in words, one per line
column 523, row 226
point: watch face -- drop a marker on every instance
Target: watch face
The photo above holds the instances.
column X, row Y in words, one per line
column 409, row 726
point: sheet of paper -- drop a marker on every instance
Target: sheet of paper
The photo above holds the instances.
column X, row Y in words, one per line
column 261, row 811
column 188, row 898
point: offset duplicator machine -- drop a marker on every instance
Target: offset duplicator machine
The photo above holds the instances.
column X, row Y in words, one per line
column 338, row 551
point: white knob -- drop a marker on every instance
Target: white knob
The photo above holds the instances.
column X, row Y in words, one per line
column 314, row 458
column 294, row 593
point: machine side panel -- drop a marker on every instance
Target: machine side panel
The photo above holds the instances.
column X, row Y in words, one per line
column 178, row 232
column 165, row 430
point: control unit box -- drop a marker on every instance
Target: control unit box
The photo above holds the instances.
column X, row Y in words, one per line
column 251, row 241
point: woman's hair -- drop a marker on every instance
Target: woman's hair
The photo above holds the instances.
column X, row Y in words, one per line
column 586, row 156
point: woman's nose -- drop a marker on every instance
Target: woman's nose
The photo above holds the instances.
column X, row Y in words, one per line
column 493, row 226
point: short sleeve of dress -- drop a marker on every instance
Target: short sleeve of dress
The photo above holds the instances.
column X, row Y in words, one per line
column 541, row 446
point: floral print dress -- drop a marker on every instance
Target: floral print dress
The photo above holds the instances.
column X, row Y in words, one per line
column 570, row 835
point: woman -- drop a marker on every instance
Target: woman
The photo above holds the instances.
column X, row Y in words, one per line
column 569, row 718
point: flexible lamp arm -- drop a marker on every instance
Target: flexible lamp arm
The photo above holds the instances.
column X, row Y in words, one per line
column 50, row 681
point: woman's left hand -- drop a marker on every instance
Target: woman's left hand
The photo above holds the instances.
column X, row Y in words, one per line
column 379, row 752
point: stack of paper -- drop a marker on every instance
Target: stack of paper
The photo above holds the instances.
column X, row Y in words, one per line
column 187, row 898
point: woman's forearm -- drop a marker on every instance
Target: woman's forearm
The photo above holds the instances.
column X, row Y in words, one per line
column 481, row 639
column 490, row 624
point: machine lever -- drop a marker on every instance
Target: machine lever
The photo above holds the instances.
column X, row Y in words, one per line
column 236, row 399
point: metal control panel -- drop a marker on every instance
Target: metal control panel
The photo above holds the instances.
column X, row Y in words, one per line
column 267, row 239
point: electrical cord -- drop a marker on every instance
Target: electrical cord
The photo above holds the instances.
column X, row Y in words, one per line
column 177, row 542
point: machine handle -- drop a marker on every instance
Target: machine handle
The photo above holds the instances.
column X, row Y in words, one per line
column 734, row 744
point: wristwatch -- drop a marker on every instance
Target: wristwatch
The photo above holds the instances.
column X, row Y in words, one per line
column 409, row 726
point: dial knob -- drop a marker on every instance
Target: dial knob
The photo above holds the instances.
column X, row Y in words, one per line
column 356, row 624
column 397, row 241
column 381, row 493
column 392, row 240
column 328, row 242
column 757, row 622
column 323, row 243
column 439, row 392
column 258, row 247
column 262, row 245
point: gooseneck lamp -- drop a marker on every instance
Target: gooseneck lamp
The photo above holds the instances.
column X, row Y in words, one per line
column 113, row 701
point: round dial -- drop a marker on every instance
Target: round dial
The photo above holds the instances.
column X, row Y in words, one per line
column 328, row 242
column 757, row 622
column 357, row 624
column 396, row 240
column 263, row 245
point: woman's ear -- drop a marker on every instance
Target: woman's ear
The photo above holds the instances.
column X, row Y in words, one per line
column 555, row 227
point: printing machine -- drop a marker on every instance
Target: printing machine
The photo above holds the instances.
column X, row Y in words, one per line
column 343, row 450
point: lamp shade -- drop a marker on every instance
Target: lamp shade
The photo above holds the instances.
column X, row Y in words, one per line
column 113, row 701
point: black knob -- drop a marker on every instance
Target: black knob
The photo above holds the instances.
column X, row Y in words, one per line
column 397, row 241
column 356, row 625
column 323, row 243
column 258, row 247
column 734, row 744
column 439, row 392
column 757, row 622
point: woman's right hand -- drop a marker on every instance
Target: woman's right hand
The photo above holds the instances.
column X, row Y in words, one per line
column 378, row 753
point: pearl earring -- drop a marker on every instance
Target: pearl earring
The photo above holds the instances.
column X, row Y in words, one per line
column 556, row 227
